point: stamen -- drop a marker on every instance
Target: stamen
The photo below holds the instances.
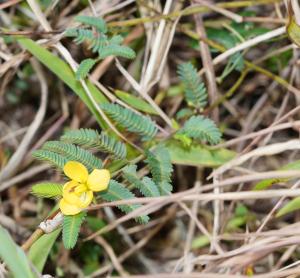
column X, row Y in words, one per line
column 83, row 197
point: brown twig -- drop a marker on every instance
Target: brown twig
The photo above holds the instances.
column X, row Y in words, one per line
column 9, row 3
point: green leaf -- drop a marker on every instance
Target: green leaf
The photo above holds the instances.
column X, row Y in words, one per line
column 84, row 137
column 90, row 138
column 197, row 155
column 264, row 184
column 150, row 189
column 194, row 88
column 241, row 210
column 146, row 186
column 99, row 42
column 71, row 228
column 44, row 244
column 222, row 36
column 184, row 139
column 47, row 190
column 235, row 62
column 96, row 42
column 51, row 157
column 293, row 30
column 64, row 73
column 200, row 242
column 201, row 128
column 74, row 153
column 116, row 192
column 248, row 30
column 84, row 68
column 240, row 218
column 291, row 206
column 116, row 40
column 97, row 22
column 229, row 39
column 238, row 62
column 111, row 145
column 14, row 257
column 80, row 35
column 136, row 102
column 132, row 121
column 117, row 50
column 160, row 165
column 235, row 222
column 184, row 113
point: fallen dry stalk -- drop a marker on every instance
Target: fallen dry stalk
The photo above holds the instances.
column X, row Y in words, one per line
column 258, row 152
column 275, row 274
column 244, row 195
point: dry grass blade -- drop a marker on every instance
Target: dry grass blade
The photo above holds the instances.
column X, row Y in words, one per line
column 259, row 152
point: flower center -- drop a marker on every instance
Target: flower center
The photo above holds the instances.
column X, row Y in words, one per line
column 80, row 189
column 83, row 197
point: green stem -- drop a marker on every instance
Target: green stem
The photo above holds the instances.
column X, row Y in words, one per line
column 232, row 90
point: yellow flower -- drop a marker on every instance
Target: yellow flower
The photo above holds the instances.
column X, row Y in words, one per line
column 78, row 193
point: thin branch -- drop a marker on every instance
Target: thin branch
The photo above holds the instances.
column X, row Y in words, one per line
column 117, row 265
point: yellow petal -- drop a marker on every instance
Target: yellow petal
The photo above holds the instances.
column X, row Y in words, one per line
column 98, row 180
column 80, row 189
column 70, row 185
column 76, row 171
column 85, row 199
column 68, row 209
column 69, row 193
